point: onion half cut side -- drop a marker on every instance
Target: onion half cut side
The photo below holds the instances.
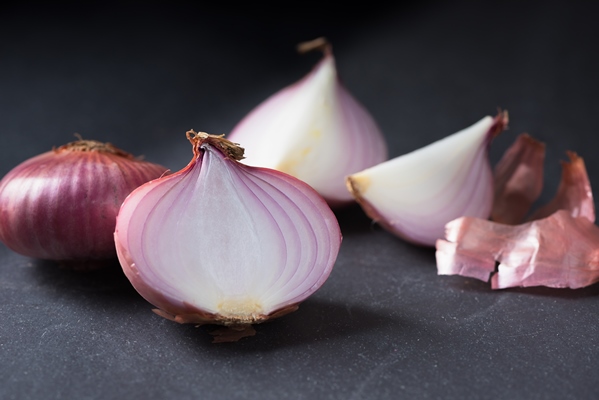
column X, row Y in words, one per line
column 220, row 242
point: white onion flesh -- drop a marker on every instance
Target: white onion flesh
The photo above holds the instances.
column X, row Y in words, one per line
column 416, row 194
column 314, row 130
column 222, row 242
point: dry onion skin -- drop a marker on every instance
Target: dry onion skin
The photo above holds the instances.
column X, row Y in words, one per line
column 314, row 129
column 518, row 180
column 62, row 204
column 555, row 247
column 220, row 242
column 558, row 251
column 574, row 192
column 414, row 195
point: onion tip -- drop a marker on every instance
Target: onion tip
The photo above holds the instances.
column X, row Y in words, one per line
column 229, row 148
column 320, row 43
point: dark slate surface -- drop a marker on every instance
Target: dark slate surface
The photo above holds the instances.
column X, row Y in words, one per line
column 385, row 325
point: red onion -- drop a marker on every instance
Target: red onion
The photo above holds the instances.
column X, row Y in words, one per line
column 220, row 242
column 62, row 204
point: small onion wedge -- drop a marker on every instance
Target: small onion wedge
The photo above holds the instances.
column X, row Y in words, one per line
column 414, row 195
column 220, row 242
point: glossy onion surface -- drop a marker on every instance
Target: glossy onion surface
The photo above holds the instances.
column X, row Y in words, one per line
column 62, row 204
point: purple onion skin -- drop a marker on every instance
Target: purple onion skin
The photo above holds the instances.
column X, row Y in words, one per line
column 62, row 204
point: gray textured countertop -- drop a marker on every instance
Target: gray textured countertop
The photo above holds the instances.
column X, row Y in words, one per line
column 385, row 325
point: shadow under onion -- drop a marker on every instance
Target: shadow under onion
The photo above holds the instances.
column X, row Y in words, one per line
column 107, row 285
column 315, row 320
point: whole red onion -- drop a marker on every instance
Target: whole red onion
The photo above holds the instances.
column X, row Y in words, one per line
column 62, row 204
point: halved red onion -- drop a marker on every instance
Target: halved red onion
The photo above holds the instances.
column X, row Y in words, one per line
column 314, row 130
column 62, row 204
column 220, row 242
column 414, row 195
column 557, row 247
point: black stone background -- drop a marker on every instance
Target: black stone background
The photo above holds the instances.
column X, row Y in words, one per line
column 385, row 325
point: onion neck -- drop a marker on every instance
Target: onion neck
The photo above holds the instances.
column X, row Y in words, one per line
column 228, row 148
column 500, row 123
column 320, row 43
column 93, row 145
